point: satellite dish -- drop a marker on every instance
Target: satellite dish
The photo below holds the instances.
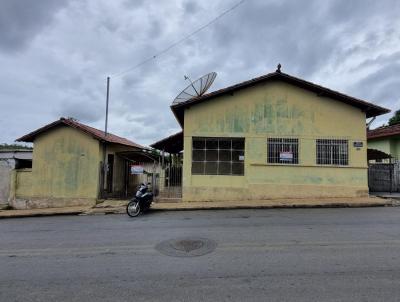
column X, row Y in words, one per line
column 196, row 88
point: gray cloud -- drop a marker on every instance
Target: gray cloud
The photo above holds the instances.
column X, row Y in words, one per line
column 22, row 20
column 351, row 46
column 83, row 111
column 382, row 85
column 190, row 7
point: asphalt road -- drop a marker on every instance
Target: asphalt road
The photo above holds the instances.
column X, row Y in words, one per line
column 261, row 255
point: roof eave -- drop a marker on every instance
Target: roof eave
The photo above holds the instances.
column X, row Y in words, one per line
column 30, row 137
column 174, row 109
column 369, row 108
column 376, row 111
column 22, row 139
column 172, row 144
column 378, row 136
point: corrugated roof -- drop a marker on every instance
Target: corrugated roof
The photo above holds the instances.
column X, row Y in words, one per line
column 171, row 144
column 384, row 131
column 95, row 133
column 369, row 108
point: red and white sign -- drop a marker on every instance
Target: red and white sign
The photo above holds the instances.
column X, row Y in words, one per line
column 286, row 156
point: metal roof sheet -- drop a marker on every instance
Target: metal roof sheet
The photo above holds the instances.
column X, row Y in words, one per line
column 95, row 133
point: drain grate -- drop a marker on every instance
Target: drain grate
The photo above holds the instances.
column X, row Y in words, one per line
column 186, row 247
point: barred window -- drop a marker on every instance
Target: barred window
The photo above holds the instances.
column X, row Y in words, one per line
column 217, row 156
column 283, row 151
column 332, row 152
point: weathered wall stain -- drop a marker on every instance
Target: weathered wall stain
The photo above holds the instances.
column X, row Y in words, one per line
column 65, row 164
column 262, row 117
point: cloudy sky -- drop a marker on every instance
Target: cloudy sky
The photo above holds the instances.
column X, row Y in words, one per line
column 55, row 55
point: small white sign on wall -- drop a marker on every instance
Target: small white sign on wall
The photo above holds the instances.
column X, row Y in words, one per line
column 286, row 156
column 241, row 157
column 136, row 169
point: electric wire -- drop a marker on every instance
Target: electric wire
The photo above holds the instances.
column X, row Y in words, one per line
column 171, row 46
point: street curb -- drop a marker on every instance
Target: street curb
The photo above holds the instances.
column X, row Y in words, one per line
column 188, row 207
column 302, row 206
column 40, row 214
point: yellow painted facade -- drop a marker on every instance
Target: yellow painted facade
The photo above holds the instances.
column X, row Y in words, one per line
column 65, row 165
column 277, row 110
column 66, row 170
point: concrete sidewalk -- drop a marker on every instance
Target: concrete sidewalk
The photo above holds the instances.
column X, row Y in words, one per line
column 393, row 195
column 118, row 206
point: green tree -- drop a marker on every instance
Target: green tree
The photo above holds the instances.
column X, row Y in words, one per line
column 14, row 147
column 395, row 119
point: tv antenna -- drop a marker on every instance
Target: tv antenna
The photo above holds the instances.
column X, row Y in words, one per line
column 196, row 88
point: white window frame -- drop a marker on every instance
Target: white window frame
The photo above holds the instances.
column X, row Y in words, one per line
column 279, row 145
column 336, row 152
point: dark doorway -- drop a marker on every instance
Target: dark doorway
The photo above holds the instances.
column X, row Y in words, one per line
column 110, row 172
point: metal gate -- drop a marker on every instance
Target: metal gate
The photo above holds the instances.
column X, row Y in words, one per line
column 383, row 177
column 165, row 181
column 170, row 179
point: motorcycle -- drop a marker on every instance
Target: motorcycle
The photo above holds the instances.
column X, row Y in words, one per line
column 141, row 202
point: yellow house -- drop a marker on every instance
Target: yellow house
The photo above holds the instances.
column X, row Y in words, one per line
column 67, row 166
column 275, row 136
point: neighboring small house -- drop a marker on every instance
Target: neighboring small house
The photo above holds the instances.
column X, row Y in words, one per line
column 275, row 136
column 67, row 166
column 387, row 140
column 10, row 160
column 383, row 156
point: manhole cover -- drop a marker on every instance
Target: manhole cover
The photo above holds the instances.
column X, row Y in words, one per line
column 186, row 247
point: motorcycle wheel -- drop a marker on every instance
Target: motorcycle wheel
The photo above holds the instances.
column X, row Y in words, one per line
column 133, row 208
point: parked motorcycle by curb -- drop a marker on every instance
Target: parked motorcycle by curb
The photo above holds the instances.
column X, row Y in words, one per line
column 141, row 202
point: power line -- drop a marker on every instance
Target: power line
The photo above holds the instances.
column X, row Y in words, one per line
column 153, row 57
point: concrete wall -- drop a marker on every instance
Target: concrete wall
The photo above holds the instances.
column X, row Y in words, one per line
column 6, row 167
column 277, row 110
column 395, row 147
column 9, row 160
column 23, row 183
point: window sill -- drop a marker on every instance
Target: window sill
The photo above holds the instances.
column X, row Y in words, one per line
column 208, row 175
column 308, row 166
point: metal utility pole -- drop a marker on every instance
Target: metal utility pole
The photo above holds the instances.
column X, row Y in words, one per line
column 104, row 166
column 107, row 98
